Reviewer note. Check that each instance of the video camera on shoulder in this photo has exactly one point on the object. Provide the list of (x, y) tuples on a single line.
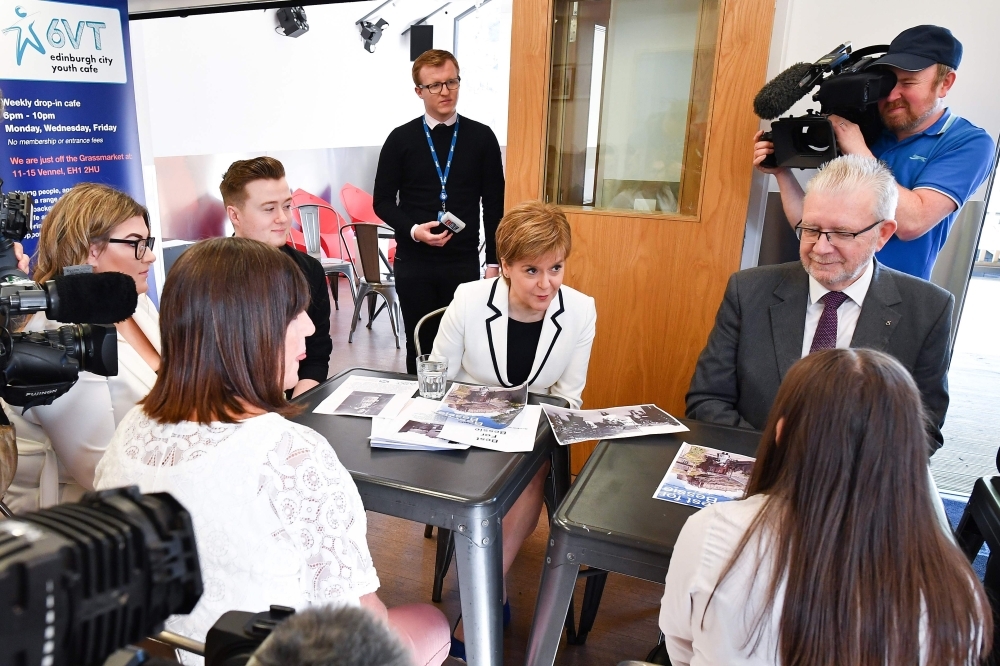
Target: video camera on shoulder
[(848, 86), (38, 367)]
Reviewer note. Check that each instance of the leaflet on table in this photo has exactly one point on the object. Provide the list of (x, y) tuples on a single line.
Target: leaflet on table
[(579, 425), (700, 476), (417, 427), (368, 397), (518, 437), (487, 406)]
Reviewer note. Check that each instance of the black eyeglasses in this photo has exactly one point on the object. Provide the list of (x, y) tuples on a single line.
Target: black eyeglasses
[(811, 235), (140, 245), (435, 88)]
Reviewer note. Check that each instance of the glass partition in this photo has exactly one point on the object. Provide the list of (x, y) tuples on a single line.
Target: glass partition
[(630, 88)]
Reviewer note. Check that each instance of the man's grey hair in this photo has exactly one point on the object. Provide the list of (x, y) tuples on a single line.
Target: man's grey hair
[(326, 636), (850, 173)]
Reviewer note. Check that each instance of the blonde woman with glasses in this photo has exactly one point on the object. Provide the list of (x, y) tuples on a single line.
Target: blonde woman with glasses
[(59, 445)]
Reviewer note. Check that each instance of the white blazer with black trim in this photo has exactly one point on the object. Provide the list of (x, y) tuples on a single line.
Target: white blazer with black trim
[(473, 337)]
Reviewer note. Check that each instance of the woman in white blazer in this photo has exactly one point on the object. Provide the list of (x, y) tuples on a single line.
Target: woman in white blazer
[(524, 326), (59, 445)]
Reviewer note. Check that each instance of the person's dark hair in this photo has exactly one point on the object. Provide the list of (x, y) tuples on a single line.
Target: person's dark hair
[(224, 343), (849, 520), (325, 636), (243, 172)]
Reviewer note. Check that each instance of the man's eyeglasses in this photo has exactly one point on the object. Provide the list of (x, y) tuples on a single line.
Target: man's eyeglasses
[(435, 88), (140, 245), (836, 238)]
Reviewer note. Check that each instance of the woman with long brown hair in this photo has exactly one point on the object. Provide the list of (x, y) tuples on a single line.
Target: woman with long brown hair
[(277, 517), (835, 556)]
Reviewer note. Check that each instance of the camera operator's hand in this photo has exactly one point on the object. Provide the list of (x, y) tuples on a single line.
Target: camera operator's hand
[(23, 260), (761, 149), (423, 233), (849, 137)]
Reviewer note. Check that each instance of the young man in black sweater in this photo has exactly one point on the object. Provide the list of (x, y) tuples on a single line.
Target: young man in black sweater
[(259, 204), (463, 170)]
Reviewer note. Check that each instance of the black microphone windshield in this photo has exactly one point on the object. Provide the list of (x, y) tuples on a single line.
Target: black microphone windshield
[(780, 93), (91, 298)]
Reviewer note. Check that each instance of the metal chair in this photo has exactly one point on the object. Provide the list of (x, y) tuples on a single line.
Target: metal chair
[(373, 283), (981, 523), (317, 239), (445, 544), (416, 329)]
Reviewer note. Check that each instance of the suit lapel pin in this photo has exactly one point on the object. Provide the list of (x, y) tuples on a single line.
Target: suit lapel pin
[(888, 323)]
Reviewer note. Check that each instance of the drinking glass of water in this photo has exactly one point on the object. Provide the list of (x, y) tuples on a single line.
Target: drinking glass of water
[(432, 374)]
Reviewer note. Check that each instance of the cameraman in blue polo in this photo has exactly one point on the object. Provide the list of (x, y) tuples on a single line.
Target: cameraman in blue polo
[(938, 158)]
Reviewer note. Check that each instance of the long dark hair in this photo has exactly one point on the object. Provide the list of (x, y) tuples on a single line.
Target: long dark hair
[(851, 526), (226, 307)]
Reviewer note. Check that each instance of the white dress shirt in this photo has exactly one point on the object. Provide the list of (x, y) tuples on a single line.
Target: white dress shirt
[(847, 313), (431, 124)]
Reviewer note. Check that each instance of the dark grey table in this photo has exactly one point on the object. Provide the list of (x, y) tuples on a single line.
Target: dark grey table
[(609, 520), (464, 491)]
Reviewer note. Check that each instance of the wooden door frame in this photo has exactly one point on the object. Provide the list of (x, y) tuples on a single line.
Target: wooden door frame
[(673, 262)]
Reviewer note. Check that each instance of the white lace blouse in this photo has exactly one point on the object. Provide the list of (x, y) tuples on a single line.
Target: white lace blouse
[(277, 517)]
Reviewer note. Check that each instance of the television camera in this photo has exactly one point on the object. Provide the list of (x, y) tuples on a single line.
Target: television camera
[(38, 367), (849, 86)]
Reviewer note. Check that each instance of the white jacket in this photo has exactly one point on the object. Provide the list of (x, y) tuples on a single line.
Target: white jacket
[(59, 445), (473, 337)]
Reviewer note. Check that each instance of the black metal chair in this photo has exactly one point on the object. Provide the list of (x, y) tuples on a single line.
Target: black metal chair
[(980, 524)]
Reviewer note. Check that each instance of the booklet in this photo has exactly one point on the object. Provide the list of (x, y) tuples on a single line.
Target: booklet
[(700, 476), (486, 406), (518, 437), (417, 428), (368, 397), (579, 425)]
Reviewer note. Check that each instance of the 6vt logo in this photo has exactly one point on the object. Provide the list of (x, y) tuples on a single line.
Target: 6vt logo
[(57, 35)]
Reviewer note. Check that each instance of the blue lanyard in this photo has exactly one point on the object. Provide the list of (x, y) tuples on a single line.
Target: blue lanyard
[(437, 165)]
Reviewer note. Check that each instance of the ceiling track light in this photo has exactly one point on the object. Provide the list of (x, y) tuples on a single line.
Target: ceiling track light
[(371, 32), (292, 22)]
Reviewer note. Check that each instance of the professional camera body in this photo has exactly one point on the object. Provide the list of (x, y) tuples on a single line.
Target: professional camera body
[(848, 86), (36, 368), (78, 581)]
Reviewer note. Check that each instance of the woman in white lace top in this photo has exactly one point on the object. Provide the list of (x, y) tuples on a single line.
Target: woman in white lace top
[(278, 519)]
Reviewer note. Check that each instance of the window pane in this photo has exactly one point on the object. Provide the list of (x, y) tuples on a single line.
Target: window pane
[(629, 97)]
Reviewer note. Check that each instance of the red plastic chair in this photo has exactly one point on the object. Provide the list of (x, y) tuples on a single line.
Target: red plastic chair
[(361, 209)]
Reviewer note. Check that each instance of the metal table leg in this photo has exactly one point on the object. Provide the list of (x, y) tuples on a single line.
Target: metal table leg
[(479, 556), (555, 594)]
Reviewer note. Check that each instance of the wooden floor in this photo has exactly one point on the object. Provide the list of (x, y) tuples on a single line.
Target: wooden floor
[(626, 625)]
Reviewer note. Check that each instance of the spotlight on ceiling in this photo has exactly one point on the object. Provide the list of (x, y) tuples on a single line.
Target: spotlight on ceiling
[(292, 21), (371, 33)]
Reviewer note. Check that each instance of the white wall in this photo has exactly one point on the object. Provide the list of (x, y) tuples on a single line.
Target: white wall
[(228, 83), (804, 30)]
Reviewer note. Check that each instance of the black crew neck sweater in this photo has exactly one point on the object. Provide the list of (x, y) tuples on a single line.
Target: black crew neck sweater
[(406, 169)]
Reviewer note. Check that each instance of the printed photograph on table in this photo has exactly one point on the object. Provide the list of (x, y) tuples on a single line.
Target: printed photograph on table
[(700, 476), (368, 397), (484, 405), (580, 425), (363, 403), (418, 427)]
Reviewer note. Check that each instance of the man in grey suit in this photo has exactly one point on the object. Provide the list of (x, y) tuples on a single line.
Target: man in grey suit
[(837, 296)]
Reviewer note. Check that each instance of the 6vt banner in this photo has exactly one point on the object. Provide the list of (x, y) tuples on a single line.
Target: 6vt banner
[(69, 104)]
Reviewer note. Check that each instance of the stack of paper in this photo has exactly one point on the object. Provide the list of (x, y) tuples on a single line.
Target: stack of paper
[(368, 397), (416, 428)]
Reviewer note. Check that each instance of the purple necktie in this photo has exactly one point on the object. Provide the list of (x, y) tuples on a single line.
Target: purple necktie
[(826, 332)]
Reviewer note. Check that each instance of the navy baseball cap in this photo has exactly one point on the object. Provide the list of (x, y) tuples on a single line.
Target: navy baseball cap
[(920, 47)]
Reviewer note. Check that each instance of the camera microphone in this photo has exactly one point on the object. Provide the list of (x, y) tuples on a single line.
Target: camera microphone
[(780, 93), (92, 298), (81, 298)]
